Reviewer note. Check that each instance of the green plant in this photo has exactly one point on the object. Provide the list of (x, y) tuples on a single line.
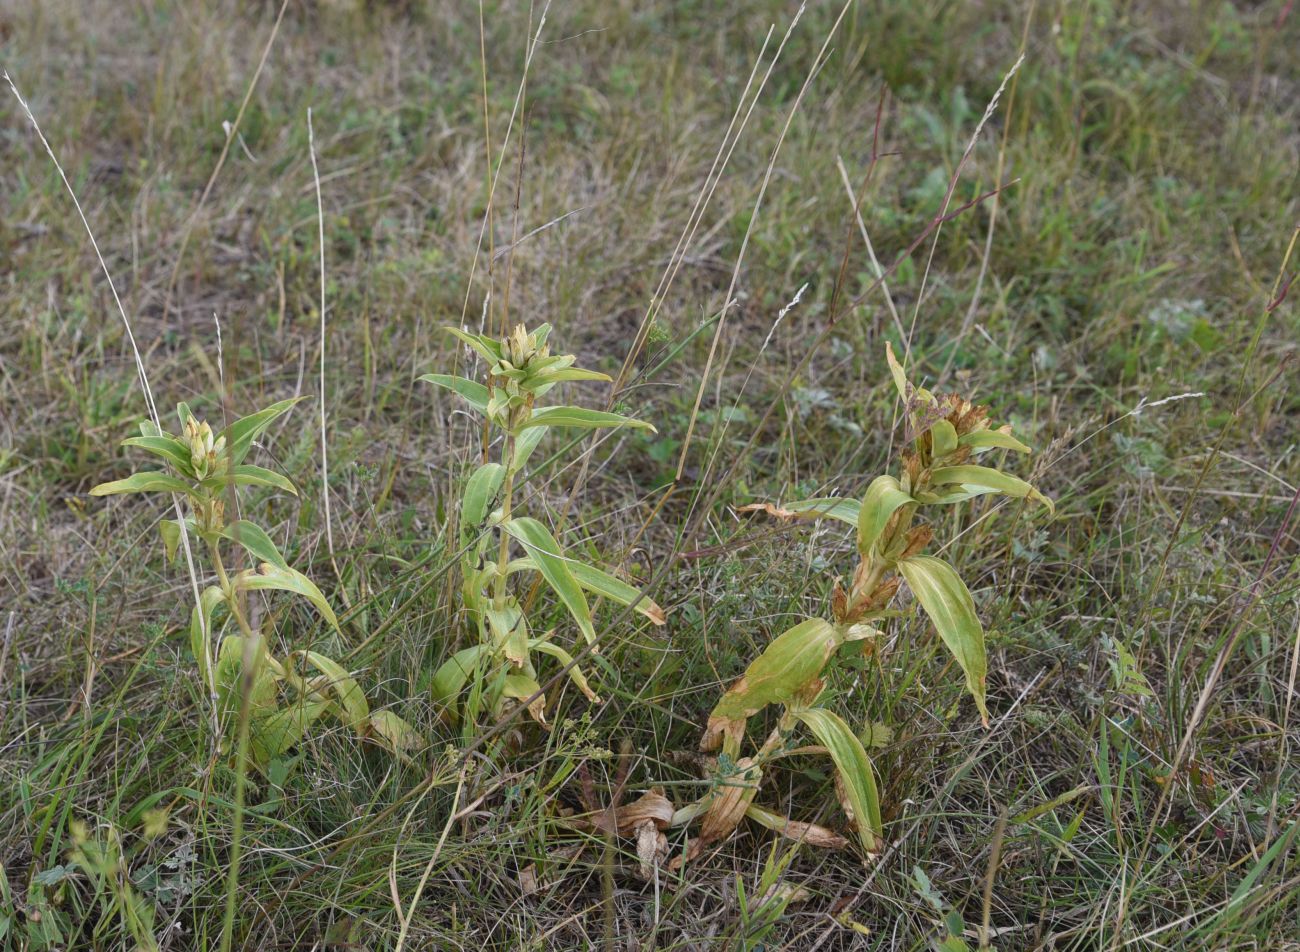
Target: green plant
[(100, 855), (946, 434), (499, 667), (283, 696)]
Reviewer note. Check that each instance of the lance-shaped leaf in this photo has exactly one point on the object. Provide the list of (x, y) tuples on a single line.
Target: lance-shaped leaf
[(857, 780), (229, 677), (255, 540), (521, 687), (478, 499), (394, 732), (241, 434), (896, 371), (449, 680), (883, 498), (943, 439), (730, 800), (823, 507), (995, 480), (250, 475), (151, 482), (781, 674), (347, 694), (554, 566), (616, 590), (809, 833), (273, 733), (509, 631), (950, 495), (201, 628), (575, 673), (947, 601), (170, 530), (992, 439), (574, 373), (487, 348), (268, 576), (472, 392), (170, 448), (582, 418), (525, 443)]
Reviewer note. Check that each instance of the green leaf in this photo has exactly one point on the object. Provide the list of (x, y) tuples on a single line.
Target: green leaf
[(823, 507), (950, 495), (574, 373), (616, 590), (252, 537), (348, 694), (170, 530), (992, 439), (150, 482), (478, 498), (857, 779), (575, 673), (229, 678), (990, 478), (249, 475), (201, 628), (449, 680), (174, 450), (582, 418), (554, 566), (509, 631), (896, 371), (272, 734), (485, 347), (883, 498), (522, 687), (269, 576), (394, 733), (786, 668), (473, 393), (241, 434), (943, 437), (525, 443), (947, 601)]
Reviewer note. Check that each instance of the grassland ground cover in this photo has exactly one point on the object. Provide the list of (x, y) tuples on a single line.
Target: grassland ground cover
[(1107, 264)]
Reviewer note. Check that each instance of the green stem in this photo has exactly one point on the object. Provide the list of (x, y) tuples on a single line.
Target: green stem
[(507, 497), (251, 660)]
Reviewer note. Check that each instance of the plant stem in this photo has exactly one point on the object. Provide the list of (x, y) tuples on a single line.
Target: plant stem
[(507, 495)]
